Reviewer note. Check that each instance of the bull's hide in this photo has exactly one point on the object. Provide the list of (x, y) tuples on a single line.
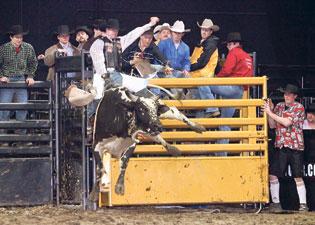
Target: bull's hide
[(115, 116)]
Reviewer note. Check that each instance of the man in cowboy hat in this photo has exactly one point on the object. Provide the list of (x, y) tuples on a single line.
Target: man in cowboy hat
[(82, 35), (162, 32), (142, 50), (108, 49), (63, 47), (98, 23), (238, 64), (204, 60), (106, 52), (287, 119), (176, 51), (18, 62)]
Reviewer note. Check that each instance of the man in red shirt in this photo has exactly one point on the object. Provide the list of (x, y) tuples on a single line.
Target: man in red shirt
[(287, 118), (238, 64)]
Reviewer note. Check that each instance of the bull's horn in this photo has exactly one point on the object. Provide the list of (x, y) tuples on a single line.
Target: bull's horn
[(163, 89), (132, 97)]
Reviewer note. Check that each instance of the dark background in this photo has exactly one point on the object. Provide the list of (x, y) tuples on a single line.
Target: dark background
[(280, 31)]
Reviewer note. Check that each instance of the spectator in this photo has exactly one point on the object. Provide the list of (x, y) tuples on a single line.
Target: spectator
[(18, 62), (204, 60), (287, 119), (99, 26), (162, 32), (309, 122), (238, 64), (176, 51), (142, 49), (82, 36), (63, 47)]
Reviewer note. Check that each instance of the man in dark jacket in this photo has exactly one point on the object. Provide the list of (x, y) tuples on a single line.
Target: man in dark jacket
[(143, 49), (204, 61)]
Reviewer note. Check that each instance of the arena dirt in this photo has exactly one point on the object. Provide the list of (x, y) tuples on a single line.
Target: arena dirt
[(74, 215)]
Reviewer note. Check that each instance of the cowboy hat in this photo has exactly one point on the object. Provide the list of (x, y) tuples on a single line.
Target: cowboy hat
[(17, 29), (233, 37), (164, 26), (102, 26), (208, 24), (310, 108), (78, 97), (113, 24), (179, 27), (83, 28), (97, 22), (63, 30), (290, 88)]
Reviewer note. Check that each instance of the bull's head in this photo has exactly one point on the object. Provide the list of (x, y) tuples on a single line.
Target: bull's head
[(146, 110), (147, 115)]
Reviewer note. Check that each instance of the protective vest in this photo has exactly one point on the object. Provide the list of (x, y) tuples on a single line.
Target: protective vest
[(112, 53)]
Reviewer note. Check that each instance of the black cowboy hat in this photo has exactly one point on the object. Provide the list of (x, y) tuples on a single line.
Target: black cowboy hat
[(290, 88), (233, 37), (150, 32), (310, 108), (97, 22), (63, 29), (113, 23), (102, 26), (83, 28), (17, 29)]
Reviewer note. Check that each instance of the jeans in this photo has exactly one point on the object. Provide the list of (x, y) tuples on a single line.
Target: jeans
[(91, 108), (14, 95), (203, 92), (226, 92)]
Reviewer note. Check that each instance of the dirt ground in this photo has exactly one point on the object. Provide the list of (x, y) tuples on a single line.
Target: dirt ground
[(74, 215)]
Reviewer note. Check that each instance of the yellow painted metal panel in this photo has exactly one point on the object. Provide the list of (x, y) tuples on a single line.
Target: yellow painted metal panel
[(193, 136), (194, 82), (195, 179), (201, 104), (192, 180), (200, 148), (214, 122)]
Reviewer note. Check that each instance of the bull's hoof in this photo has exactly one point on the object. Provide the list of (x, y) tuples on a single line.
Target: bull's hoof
[(198, 128), (120, 189), (173, 150)]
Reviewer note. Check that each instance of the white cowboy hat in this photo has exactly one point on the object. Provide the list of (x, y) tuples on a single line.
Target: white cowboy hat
[(159, 28), (179, 27), (207, 23)]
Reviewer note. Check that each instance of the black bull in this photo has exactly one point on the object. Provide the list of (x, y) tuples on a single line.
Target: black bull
[(120, 116)]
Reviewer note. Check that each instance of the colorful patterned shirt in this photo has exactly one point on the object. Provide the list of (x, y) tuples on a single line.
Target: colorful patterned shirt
[(20, 61), (292, 136)]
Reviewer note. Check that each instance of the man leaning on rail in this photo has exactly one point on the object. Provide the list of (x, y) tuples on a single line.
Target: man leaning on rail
[(18, 62), (238, 64)]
